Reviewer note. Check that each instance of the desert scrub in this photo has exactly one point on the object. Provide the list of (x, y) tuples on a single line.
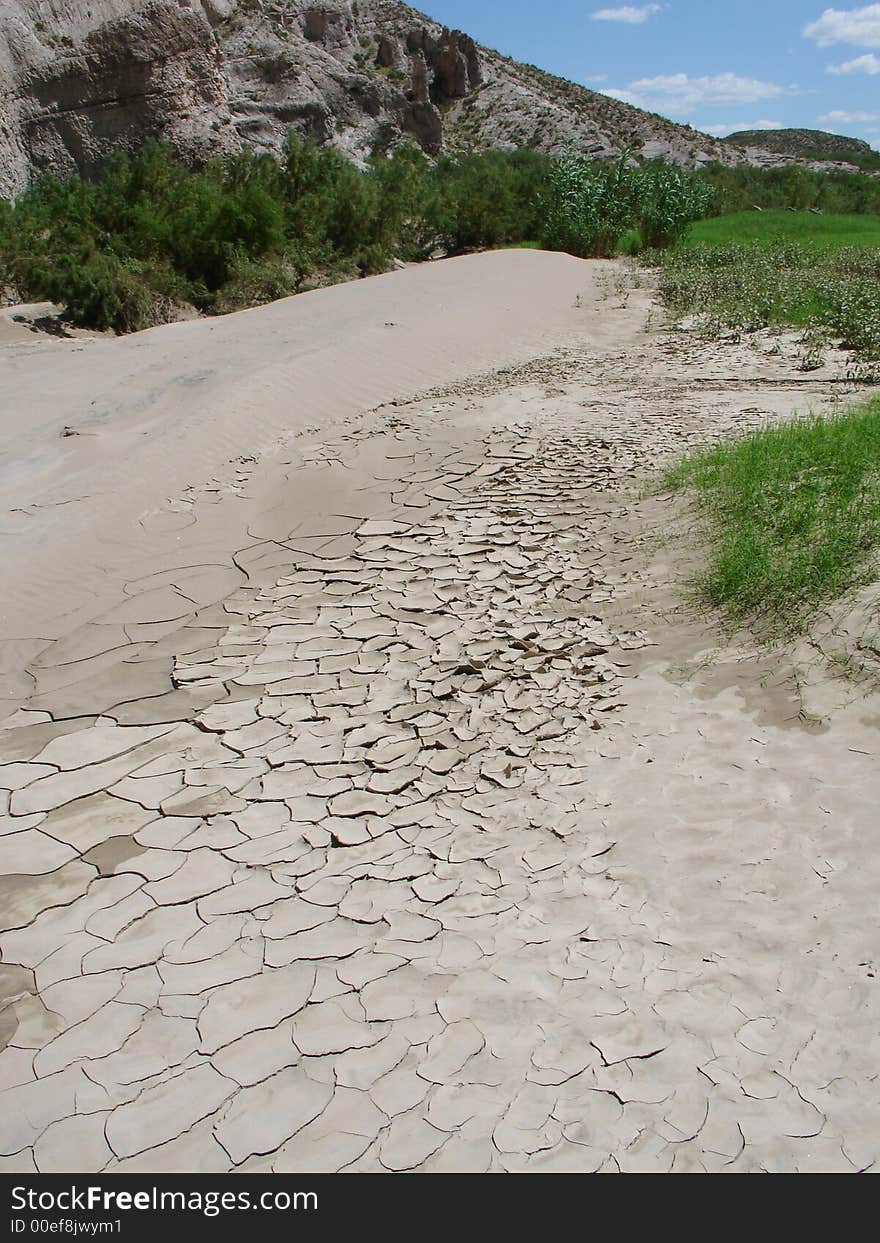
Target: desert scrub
[(745, 287), (791, 515)]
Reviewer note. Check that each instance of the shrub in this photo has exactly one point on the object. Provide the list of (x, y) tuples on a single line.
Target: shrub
[(587, 207), (488, 199), (253, 282), (667, 202), (8, 280), (100, 291), (407, 209)]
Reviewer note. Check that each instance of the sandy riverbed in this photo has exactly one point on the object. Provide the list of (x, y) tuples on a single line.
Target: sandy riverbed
[(371, 800)]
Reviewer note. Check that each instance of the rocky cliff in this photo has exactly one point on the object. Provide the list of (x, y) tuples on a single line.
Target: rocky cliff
[(79, 78)]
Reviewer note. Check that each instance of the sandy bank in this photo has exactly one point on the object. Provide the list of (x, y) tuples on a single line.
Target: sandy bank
[(157, 415)]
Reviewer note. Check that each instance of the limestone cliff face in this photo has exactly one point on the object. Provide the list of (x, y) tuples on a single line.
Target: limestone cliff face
[(79, 78)]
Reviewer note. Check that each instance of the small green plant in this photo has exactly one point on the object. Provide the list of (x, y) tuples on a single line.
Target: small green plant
[(792, 515)]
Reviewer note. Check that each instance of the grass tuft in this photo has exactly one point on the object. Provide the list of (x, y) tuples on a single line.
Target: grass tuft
[(792, 515)]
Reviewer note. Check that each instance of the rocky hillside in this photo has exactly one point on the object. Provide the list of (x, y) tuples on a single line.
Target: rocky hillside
[(79, 78), (813, 147), (801, 143)]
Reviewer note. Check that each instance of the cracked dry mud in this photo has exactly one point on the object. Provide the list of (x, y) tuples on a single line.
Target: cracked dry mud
[(430, 839)]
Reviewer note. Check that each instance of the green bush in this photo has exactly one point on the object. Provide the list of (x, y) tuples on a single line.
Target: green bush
[(592, 209), (668, 201), (407, 205), (253, 282), (101, 291), (8, 281), (587, 207), (488, 199)]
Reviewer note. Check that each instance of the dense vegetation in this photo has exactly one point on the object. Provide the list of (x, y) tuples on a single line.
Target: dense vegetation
[(587, 207), (149, 237), (793, 516), (742, 187)]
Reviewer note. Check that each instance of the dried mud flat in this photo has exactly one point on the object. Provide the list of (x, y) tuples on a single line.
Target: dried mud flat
[(374, 803)]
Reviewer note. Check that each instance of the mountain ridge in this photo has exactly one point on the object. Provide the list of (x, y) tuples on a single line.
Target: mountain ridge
[(799, 141), (80, 79), (84, 77)]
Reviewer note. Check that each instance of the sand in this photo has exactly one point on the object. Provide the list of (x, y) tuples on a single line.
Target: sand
[(372, 801)]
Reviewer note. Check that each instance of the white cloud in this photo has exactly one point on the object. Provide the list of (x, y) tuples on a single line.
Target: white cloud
[(680, 94), (596, 77), (869, 63), (860, 27), (849, 118), (629, 14), (721, 131)]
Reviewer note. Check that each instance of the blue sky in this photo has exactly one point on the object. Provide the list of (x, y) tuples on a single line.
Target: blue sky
[(718, 66)]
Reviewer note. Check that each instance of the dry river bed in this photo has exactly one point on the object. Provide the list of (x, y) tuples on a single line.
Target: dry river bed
[(424, 828)]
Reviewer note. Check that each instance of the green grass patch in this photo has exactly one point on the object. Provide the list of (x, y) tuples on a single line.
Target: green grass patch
[(770, 228), (792, 515)]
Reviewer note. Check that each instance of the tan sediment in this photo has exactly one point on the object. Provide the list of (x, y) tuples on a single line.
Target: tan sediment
[(399, 814)]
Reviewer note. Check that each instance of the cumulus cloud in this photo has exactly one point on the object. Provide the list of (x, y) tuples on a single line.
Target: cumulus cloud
[(629, 14), (680, 94), (869, 63), (860, 27), (721, 131)]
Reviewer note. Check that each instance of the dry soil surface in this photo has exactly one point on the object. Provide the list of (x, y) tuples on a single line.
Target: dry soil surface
[(370, 799)]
